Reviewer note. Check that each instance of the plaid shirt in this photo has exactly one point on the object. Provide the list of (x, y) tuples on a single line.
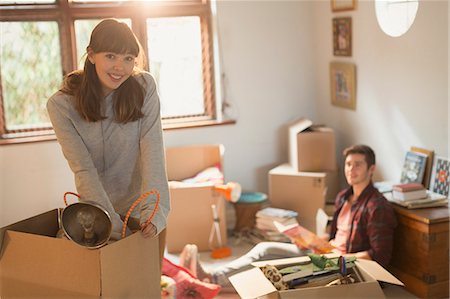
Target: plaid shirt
[(372, 224)]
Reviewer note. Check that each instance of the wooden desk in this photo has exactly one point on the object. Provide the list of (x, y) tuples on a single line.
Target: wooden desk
[(421, 251)]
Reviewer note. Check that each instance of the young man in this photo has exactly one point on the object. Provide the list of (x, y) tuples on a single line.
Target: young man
[(362, 226), (364, 221)]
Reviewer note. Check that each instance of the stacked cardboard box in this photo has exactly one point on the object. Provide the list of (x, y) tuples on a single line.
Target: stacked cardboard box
[(311, 178), (190, 219)]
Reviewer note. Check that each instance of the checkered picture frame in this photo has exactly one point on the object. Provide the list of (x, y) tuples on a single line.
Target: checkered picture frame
[(440, 180)]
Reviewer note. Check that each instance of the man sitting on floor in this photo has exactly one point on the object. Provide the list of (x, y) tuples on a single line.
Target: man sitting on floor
[(362, 226)]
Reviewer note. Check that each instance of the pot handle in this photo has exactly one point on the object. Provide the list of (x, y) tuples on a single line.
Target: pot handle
[(70, 193), (125, 222)]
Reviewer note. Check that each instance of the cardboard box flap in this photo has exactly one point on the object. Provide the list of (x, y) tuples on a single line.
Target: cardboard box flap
[(287, 169), (299, 125), (252, 284), (187, 161), (45, 224), (378, 272), (321, 128)]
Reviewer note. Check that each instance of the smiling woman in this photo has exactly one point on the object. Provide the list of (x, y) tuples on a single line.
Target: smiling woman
[(176, 36)]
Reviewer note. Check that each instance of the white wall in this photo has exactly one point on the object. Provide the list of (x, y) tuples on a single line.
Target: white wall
[(268, 61), (402, 84)]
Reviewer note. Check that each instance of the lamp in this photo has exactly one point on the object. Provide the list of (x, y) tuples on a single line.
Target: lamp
[(86, 224), (231, 191)]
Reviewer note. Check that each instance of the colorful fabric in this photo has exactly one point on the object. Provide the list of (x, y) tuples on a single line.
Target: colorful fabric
[(186, 284), (372, 224)]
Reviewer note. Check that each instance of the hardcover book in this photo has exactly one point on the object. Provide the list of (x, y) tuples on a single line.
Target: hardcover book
[(413, 168), (410, 195), (440, 178), (408, 187), (429, 167)]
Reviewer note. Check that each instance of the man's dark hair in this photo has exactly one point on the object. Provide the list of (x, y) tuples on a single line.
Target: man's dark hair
[(363, 150)]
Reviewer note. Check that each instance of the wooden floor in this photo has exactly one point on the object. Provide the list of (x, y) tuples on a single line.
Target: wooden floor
[(241, 247)]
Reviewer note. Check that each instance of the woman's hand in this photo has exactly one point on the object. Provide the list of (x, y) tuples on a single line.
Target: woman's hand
[(149, 230)]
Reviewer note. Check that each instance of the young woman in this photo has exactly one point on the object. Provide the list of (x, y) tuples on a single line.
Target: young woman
[(107, 120)]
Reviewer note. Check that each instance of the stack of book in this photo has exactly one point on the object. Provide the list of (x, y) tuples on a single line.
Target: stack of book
[(265, 223), (415, 196), (409, 191)]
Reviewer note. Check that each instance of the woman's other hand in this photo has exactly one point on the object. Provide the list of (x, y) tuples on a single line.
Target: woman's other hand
[(148, 230)]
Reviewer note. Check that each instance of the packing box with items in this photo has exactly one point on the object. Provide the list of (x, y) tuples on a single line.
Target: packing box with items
[(254, 283), (302, 192), (191, 218), (311, 147), (36, 264)]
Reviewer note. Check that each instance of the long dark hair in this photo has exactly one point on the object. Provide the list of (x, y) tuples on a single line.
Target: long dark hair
[(108, 36)]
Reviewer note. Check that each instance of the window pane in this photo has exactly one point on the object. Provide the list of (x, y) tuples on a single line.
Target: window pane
[(31, 71), (83, 29), (26, 1), (175, 55)]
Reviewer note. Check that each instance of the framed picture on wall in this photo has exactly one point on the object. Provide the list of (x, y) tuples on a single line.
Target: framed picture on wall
[(343, 85), (342, 5), (342, 36)]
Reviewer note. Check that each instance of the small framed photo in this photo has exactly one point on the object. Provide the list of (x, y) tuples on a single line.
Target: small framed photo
[(342, 36), (440, 180), (343, 5), (343, 85)]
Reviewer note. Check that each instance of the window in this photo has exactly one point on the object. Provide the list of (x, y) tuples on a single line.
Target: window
[(43, 39)]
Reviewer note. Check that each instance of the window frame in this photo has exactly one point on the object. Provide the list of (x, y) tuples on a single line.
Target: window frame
[(65, 13)]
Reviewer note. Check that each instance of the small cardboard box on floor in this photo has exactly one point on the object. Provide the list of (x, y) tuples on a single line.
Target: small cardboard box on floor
[(35, 264), (253, 284), (311, 147), (191, 219), (303, 192)]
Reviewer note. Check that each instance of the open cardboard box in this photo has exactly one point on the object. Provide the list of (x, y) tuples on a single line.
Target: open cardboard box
[(190, 219), (253, 284), (311, 147), (35, 264)]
